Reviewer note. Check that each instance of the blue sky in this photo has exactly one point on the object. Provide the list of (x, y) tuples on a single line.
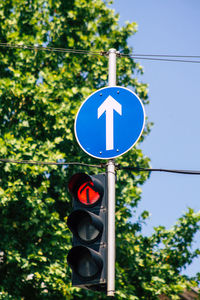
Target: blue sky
[(169, 27)]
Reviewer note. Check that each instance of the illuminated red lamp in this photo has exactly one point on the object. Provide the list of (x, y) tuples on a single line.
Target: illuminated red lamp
[(86, 193), (86, 189)]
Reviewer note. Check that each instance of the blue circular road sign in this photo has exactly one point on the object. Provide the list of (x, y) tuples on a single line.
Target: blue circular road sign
[(109, 122)]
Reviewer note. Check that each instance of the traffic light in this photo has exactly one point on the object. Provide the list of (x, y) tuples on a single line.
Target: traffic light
[(88, 223)]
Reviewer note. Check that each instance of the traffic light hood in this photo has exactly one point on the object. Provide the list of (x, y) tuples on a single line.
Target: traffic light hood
[(76, 180)]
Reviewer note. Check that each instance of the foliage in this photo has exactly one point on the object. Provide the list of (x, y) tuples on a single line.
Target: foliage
[(40, 93)]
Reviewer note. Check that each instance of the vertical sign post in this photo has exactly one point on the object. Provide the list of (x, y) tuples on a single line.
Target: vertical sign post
[(111, 194)]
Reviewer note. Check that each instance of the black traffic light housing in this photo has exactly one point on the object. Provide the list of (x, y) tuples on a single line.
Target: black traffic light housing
[(88, 223)]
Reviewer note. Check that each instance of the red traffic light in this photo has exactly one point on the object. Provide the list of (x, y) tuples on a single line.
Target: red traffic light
[(88, 224), (86, 189), (87, 194)]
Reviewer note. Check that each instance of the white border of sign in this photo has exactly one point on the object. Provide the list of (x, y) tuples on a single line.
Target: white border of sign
[(83, 104)]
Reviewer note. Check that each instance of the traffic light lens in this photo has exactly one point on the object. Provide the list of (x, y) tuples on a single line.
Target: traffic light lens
[(87, 266), (87, 193), (86, 262), (86, 230), (85, 225)]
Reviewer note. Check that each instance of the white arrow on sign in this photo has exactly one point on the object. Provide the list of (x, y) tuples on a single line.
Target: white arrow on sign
[(108, 106)]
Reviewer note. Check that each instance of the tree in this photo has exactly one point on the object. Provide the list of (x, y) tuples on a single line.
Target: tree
[(40, 93)]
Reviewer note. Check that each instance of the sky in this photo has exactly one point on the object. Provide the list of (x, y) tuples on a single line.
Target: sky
[(169, 27)]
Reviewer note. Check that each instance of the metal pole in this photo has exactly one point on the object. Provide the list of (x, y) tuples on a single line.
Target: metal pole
[(111, 194)]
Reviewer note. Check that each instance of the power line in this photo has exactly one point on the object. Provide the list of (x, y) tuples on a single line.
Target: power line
[(161, 55), (51, 49), (138, 169), (153, 57), (103, 165), (32, 162)]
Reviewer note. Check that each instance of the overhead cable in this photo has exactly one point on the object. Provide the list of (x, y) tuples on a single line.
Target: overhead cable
[(138, 169), (103, 165), (32, 162), (161, 55), (152, 57), (51, 49)]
